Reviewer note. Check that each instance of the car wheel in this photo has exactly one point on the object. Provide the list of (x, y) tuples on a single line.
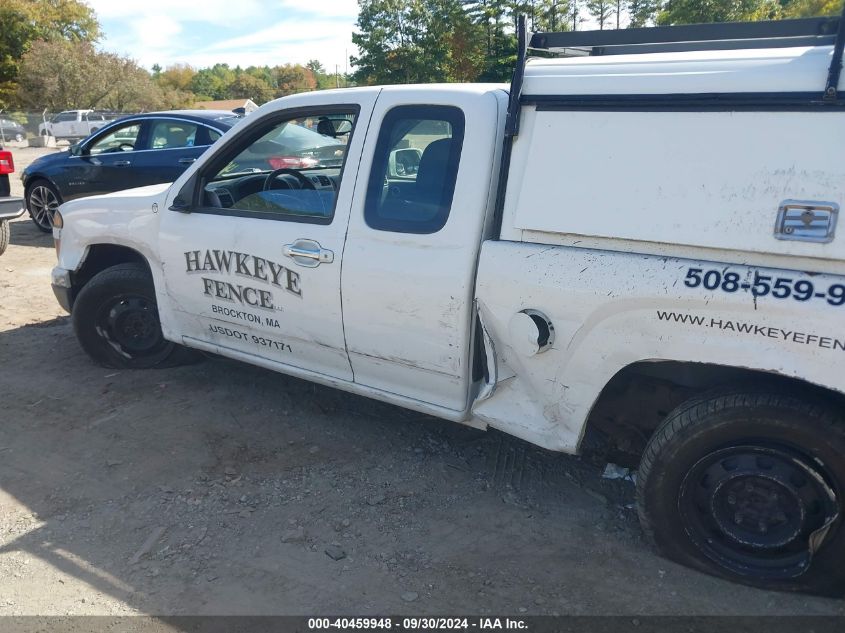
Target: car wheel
[(20, 138), (749, 486), (42, 201), (5, 234), (116, 321)]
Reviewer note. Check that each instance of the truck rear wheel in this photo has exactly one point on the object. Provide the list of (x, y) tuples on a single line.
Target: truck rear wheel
[(5, 236), (749, 486), (115, 318)]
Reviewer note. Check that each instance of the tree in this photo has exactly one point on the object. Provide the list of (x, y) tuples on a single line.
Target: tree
[(213, 82), (403, 41), (601, 10), (810, 8), (466, 59), (316, 67), (62, 75), (293, 78), (554, 15), (247, 86), (23, 22), (642, 12), (130, 87), (701, 11), (175, 77)]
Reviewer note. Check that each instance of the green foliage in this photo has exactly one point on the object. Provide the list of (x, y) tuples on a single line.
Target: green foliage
[(71, 74), (23, 22), (47, 56), (701, 11), (175, 77), (642, 12), (602, 11), (809, 8)]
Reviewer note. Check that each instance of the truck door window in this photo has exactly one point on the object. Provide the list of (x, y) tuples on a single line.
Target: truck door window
[(290, 170), (415, 169)]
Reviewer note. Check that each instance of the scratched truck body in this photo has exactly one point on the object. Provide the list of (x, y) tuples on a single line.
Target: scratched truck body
[(633, 250)]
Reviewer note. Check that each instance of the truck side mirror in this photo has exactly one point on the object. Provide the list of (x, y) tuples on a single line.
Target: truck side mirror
[(404, 163)]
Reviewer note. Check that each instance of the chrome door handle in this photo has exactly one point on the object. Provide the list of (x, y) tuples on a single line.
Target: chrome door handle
[(308, 253), (186, 161), (122, 163)]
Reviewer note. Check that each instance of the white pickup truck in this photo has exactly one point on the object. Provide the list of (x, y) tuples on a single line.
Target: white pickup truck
[(75, 124), (634, 247)]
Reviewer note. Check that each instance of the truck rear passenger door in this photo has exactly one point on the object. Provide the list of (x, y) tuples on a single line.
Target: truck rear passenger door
[(414, 235)]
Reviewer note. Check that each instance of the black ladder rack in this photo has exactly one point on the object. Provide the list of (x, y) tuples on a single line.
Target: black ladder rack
[(693, 37)]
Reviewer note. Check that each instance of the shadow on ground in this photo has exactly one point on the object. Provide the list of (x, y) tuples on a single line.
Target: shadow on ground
[(25, 233), (220, 488)]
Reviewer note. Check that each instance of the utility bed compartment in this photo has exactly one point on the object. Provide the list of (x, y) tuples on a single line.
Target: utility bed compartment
[(670, 172)]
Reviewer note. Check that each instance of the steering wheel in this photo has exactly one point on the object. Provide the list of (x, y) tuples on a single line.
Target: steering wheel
[(303, 181)]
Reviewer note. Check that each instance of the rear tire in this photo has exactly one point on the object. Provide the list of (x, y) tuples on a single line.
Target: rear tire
[(5, 235), (738, 483), (116, 321)]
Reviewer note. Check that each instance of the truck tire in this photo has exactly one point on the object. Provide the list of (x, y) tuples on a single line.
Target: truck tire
[(5, 235), (738, 484), (115, 317), (42, 200)]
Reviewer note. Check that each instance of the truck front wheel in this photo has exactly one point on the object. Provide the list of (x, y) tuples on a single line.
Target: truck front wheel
[(115, 317), (749, 486)]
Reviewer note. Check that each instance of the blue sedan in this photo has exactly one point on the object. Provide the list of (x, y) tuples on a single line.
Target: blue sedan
[(135, 151)]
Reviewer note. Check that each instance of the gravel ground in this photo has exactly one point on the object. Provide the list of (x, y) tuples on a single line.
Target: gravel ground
[(221, 488)]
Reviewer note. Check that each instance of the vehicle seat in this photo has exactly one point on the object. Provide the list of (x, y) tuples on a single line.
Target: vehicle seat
[(424, 203), (432, 172), (179, 137)]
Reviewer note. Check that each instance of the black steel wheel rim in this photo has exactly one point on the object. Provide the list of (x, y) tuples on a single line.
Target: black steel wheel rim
[(43, 205), (754, 510), (130, 325)]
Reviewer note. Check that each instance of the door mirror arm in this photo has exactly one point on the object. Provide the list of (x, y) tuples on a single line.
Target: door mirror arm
[(182, 201), (179, 205)]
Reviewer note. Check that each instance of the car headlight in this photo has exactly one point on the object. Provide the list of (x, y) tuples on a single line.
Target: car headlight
[(58, 220)]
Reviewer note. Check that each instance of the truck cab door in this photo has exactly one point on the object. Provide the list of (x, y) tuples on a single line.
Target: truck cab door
[(251, 247), (414, 238)]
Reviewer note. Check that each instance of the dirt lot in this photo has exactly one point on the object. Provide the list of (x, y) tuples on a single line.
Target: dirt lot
[(219, 489)]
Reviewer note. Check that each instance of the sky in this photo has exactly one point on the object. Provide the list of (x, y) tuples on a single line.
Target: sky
[(236, 32)]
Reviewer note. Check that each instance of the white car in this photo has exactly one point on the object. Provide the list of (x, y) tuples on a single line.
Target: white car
[(637, 246)]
